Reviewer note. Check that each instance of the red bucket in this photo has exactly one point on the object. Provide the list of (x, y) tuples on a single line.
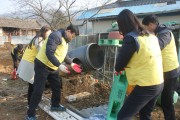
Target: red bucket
[(14, 75)]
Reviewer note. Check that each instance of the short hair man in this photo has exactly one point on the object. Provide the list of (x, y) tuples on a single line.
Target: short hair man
[(47, 62), (170, 63)]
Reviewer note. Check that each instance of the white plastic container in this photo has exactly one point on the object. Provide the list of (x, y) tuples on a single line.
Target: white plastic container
[(71, 98)]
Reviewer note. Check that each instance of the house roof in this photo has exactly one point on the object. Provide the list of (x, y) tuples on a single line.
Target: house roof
[(139, 7), (18, 23), (139, 2)]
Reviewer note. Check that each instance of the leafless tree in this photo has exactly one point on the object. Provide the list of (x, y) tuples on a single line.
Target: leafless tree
[(43, 11), (56, 14)]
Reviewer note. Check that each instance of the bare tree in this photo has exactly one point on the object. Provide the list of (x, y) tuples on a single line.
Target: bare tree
[(43, 11), (68, 5), (56, 15)]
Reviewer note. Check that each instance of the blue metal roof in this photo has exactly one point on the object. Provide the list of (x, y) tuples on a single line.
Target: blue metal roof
[(138, 10)]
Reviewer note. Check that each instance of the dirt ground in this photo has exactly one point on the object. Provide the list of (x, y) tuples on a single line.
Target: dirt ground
[(13, 93)]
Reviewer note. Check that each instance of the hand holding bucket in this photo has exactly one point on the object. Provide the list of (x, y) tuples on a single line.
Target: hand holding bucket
[(76, 67)]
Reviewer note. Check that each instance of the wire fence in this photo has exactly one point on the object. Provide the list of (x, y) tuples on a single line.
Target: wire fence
[(15, 39), (105, 74), (82, 40), (21, 39)]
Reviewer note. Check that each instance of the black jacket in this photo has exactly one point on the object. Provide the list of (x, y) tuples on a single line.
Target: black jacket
[(164, 38), (16, 54), (55, 39), (125, 53)]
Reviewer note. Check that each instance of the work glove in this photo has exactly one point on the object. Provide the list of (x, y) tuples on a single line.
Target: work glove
[(118, 73), (76, 67), (64, 69)]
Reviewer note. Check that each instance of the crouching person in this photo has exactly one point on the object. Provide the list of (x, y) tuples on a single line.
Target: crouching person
[(16, 54)]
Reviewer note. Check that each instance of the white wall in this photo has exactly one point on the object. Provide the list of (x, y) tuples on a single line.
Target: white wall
[(1, 32), (164, 19), (82, 29), (101, 26), (104, 25), (21, 39)]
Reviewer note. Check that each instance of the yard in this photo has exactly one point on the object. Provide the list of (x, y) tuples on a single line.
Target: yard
[(13, 102)]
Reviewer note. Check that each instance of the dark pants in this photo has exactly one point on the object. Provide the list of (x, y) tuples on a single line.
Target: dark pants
[(178, 88), (142, 100), (43, 73), (30, 90), (15, 61), (167, 98)]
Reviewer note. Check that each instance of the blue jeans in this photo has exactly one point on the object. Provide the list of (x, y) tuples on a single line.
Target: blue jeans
[(142, 100)]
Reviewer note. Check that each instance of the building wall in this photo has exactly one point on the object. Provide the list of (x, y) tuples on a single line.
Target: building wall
[(85, 29), (164, 19), (27, 32), (1, 32), (34, 32), (103, 25)]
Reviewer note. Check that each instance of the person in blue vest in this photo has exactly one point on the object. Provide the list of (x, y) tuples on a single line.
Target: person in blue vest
[(47, 65), (170, 63), (140, 56), (16, 54)]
